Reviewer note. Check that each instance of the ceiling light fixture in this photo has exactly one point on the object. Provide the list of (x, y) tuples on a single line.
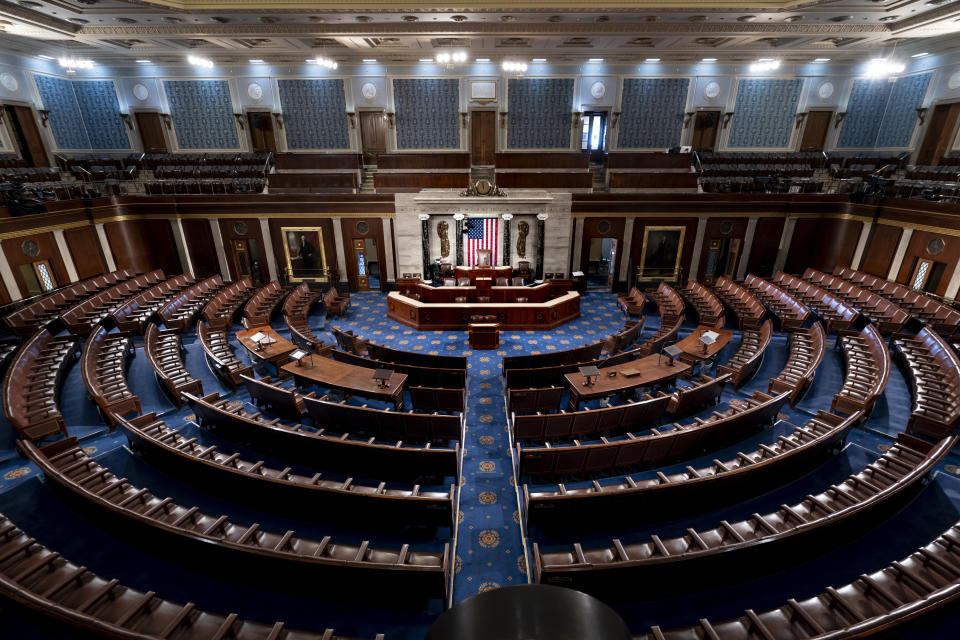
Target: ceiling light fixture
[(765, 64), (920, 55), (144, 62), (818, 60), (595, 60), (72, 64), (45, 57), (539, 60), (200, 62), (482, 60), (447, 57), (371, 60), (882, 67), (651, 60), (326, 62), (256, 61), (426, 59), (709, 60), (513, 66)]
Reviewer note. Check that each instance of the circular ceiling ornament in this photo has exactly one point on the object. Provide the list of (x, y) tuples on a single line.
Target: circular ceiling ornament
[(712, 90), (936, 246), (598, 90), (363, 227), (240, 228), (954, 81), (9, 82), (368, 91), (255, 91), (508, 18), (825, 90), (30, 248), (603, 226), (726, 227), (140, 92)]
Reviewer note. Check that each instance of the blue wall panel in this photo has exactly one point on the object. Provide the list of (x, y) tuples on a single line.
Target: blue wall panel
[(314, 114), (65, 120), (865, 109), (652, 111), (202, 113), (900, 119), (101, 114), (764, 113), (540, 111), (427, 113)]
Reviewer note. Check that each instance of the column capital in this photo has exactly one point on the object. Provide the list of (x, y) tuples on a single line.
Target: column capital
[(423, 217), (456, 216), (542, 216), (507, 216)]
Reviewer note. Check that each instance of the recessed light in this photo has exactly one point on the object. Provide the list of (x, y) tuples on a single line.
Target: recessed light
[(200, 62), (539, 60), (595, 60), (311, 61), (369, 60), (652, 60), (45, 57), (426, 59), (709, 60), (482, 60), (919, 55), (144, 62), (821, 59), (255, 61)]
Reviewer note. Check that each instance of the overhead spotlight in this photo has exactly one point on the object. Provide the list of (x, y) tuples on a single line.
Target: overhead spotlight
[(514, 66), (200, 62), (447, 57), (369, 60), (482, 60), (539, 60), (595, 60), (765, 64), (326, 62), (652, 60), (144, 61), (44, 56), (72, 64), (255, 61), (709, 60), (426, 59), (819, 60), (459, 56), (920, 55), (882, 67), (443, 58)]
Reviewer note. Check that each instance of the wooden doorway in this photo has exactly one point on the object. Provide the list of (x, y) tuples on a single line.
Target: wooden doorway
[(483, 137), (361, 260), (815, 131), (706, 124), (260, 124), (150, 126), (940, 133), (373, 135), (26, 135)]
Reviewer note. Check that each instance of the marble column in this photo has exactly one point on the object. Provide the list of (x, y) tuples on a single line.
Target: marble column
[(180, 240), (218, 245), (861, 245), (425, 243), (506, 258), (65, 255), (786, 237), (954, 285), (105, 247), (458, 217), (899, 254), (387, 256), (697, 249), (341, 252), (268, 249), (625, 252), (542, 241), (577, 245), (747, 246), (6, 273)]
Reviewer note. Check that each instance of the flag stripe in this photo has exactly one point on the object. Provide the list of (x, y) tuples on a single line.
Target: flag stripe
[(487, 232)]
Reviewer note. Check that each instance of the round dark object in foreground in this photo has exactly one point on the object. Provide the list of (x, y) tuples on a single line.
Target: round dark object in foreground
[(530, 612)]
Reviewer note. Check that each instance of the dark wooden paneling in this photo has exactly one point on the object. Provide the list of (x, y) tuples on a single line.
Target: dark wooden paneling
[(229, 232), (317, 161), (143, 245), (13, 250), (200, 246), (439, 160), (483, 137), (4, 295), (822, 244), (409, 182), (714, 231), (373, 135), (25, 128), (628, 160), (350, 233), (150, 127), (312, 182), (653, 180), (815, 130), (537, 160), (917, 248), (766, 245), (85, 252), (551, 180), (881, 246)]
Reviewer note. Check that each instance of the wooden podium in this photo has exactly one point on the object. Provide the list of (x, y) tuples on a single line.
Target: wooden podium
[(484, 335)]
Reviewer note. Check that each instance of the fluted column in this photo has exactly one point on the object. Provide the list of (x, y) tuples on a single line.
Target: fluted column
[(507, 217), (425, 242), (459, 219), (541, 242)]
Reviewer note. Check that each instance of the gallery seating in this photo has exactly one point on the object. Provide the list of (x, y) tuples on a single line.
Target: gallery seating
[(887, 316), (164, 353), (663, 564), (220, 356), (32, 382), (836, 314), (585, 353), (334, 303), (750, 313), (705, 303), (669, 303), (791, 313), (259, 308), (416, 358), (81, 318), (222, 308), (807, 347), (632, 303), (934, 373), (662, 444), (341, 451), (535, 400), (697, 395), (65, 464), (104, 363), (182, 310), (745, 362), (691, 490), (624, 338), (57, 589), (134, 314), (868, 369), (401, 425), (276, 398), (437, 399), (296, 309), (589, 423), (416, 376)]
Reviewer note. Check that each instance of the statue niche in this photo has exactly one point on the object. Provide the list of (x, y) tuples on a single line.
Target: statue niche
[(442, 228), (523, 229)]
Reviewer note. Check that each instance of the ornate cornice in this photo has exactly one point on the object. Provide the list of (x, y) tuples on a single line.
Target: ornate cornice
[(36, 18), (555, 6)]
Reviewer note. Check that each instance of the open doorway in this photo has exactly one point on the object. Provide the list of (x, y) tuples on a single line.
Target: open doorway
[(594, 134), (601, 263), (373, 262), (26, 136), (722, 255)]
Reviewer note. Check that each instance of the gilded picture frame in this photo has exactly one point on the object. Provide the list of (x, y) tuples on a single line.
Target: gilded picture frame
[(661, 253), (304, 265)]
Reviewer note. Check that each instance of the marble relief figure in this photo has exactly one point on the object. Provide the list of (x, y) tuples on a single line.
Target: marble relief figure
[(442, 228)]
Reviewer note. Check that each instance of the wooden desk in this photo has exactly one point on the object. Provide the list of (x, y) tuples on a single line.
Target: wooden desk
[(346, 377), (274, 353), (483, 272), (693, 349), (422, 315), (648, 373), (485, 335)]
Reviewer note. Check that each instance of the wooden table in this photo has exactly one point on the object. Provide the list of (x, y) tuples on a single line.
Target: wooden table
[(349, 378), (644, 372), (693, 350), (274, 353), (483, 335)]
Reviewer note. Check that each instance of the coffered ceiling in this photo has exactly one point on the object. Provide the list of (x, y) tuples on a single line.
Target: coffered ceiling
[(620, 31)]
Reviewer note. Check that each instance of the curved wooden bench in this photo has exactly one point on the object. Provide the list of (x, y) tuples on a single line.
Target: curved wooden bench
[(553, 358), (706, 391), (337, 451), (632, 303), (624, 338), (220, 357), (419, 376), (669, 303), (104, 362), (750, 313), (417, 427), (31, 383), (134, 314), (415, 358), (34, 576), (276, 398), (935, 382), (791, 312), (745, 362), (666, 333), (887, 316), (222, 308), (81, 318), (868, 369), (708, 307), (260, 307), (666, 443), (836, 314), (296, 308), (164, 354), (882, 487), (807, 347), (180, 312), (82, 480), (590, 423), (693, 490)]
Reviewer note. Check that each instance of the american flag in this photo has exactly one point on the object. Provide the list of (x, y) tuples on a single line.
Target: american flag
[(481, 234)]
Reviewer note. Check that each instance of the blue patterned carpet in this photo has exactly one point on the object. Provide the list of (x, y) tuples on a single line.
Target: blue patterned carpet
[(489, 546)]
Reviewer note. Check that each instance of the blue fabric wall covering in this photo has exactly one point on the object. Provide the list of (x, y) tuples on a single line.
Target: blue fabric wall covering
[(540, 111), (101, 114), (427, 113), (202, 113), (882, 113), (314, 114), (764, 113), (65, 120), (652, 112)]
